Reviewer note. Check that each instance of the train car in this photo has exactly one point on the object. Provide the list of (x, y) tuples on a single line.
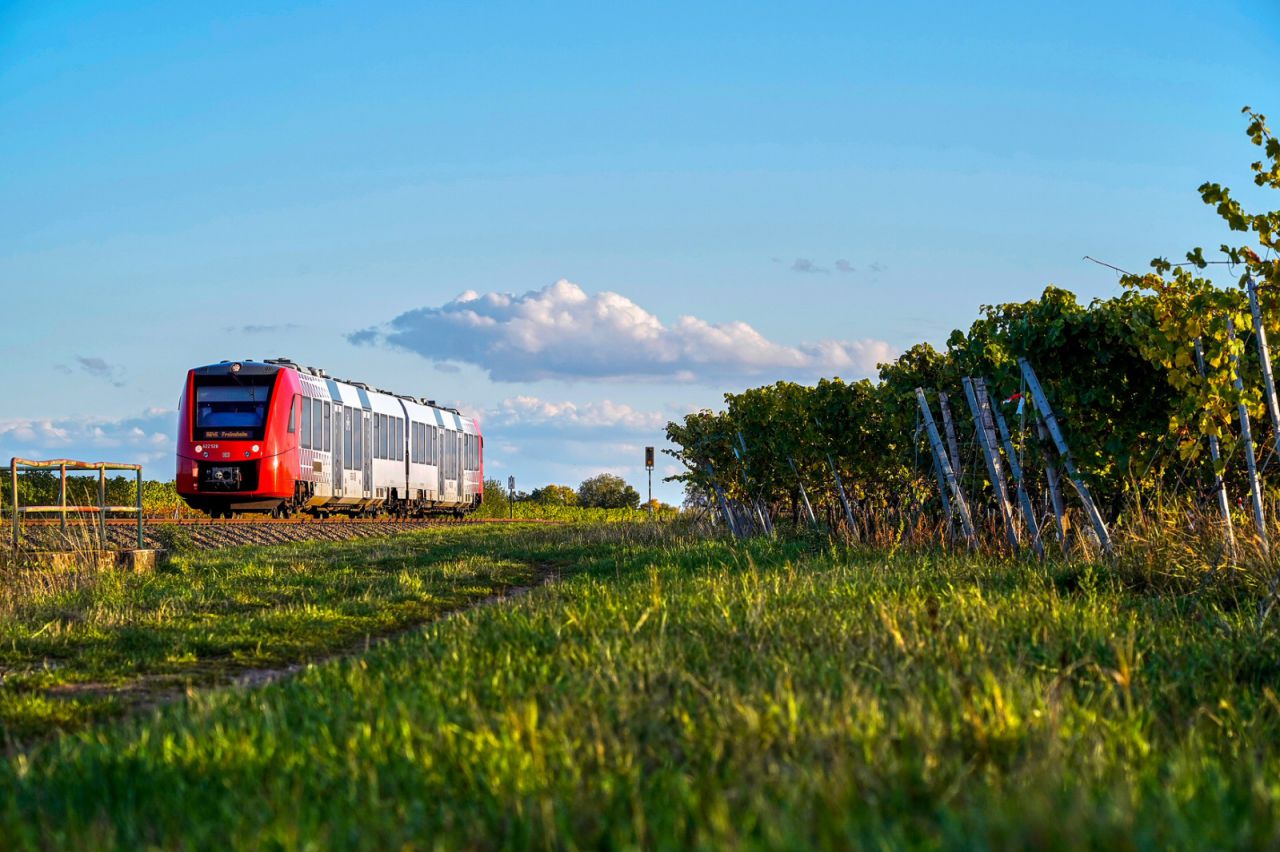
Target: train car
[(275, 437)]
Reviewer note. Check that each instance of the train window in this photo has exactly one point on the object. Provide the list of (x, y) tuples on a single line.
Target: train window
[(399, 439), (306, 423), (293, 425), (377, 435), (388, 437), (328, 429), (317, 424)]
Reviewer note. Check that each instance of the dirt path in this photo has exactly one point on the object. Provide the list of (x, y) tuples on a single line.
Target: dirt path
[(150, 691), (251, 678)]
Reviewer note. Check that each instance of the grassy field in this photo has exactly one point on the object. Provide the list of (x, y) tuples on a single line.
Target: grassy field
[(78, 647), (671, 692)]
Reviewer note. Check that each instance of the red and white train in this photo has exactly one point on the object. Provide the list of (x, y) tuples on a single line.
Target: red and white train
[(273, 436)]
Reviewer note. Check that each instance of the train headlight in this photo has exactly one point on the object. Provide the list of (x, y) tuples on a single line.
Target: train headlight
[(255, 448), (199, 449), (246, 454)]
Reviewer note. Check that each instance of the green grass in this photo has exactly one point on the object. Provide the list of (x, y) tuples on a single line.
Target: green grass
[(679, 693), (80, 647)]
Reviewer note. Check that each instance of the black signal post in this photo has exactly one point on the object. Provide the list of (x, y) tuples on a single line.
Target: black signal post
[(648, 465)]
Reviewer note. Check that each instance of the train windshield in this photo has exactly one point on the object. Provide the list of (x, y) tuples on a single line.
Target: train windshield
[(231, 409)]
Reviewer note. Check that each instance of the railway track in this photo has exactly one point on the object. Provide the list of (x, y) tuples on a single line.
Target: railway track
[(294, 521), (210, 534)]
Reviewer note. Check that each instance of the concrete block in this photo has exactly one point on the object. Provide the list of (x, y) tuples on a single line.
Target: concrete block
[(139, 561)]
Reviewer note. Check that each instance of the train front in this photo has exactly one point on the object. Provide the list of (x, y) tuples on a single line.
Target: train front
[(236, 444)]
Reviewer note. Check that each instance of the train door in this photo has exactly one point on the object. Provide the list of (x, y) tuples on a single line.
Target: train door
[(440, 457), (461, 465), (368, 455), (350, 450), (339, 460)]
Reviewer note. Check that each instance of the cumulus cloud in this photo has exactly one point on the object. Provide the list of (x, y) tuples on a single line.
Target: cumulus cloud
[(530, 411), (562, 332), (804, 264), (147, 438)]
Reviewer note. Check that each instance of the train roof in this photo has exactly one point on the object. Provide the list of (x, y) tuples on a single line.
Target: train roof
[(269, 366)]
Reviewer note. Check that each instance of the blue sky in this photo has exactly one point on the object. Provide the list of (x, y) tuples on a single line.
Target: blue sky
[(810, 186)]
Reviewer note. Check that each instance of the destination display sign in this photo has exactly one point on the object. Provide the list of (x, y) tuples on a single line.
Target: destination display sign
[(228, 434)]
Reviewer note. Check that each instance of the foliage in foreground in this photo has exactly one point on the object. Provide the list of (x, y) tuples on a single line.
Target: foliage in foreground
[(686, 693)]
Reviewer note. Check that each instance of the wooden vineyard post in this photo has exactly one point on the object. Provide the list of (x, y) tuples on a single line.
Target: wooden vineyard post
[(1053, 482), (1024, 499), (1055, 432), (940, 456), (942, 483), (724, 504), (762, 517), (1246, 438), (981, 409), (804, 495), (844, 498), (1264, 357), (1219, 486), (854, 530), (949, 426)]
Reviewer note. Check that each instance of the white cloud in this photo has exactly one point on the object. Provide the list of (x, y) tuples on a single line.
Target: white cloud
[(145, 439), (530, 411), (562, 332)]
